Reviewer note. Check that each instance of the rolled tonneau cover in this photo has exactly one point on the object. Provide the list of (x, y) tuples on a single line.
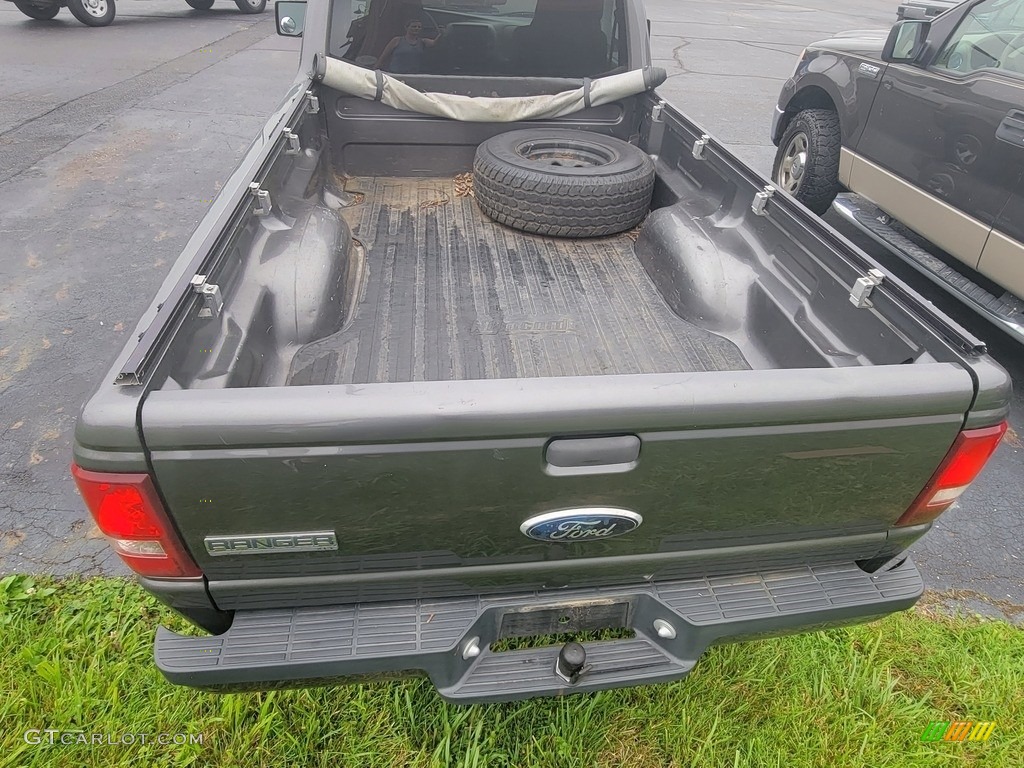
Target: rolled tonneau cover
[(378, 86)]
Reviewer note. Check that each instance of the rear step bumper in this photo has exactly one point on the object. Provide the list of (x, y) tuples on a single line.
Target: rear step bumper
[(265, 649)]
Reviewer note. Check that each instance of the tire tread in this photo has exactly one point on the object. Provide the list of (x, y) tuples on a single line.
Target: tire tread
[(820, 183), (562, 206)]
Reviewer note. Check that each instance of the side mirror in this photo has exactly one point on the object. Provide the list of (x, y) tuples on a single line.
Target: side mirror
[(906, 41), (291, 17)]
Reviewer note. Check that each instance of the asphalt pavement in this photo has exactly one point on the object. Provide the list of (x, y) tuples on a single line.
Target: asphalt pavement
[(113, 143)]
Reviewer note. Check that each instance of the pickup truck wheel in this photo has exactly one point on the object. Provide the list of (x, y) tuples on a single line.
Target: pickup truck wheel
[(564, 183), (807, 163), (92, 13), (200, 5), (40, 11), (251, 6)]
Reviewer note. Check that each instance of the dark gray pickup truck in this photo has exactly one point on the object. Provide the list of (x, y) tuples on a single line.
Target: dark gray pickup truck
[(365, 429)]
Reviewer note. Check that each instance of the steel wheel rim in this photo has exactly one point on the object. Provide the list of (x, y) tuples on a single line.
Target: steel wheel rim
[(565, 154), (794, 163), (254, 3), (97, 8)]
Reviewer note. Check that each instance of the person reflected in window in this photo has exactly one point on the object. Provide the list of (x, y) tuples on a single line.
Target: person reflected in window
[(406, 54)]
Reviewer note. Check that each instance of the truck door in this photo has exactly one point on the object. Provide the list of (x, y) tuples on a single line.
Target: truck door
[(930, 155), (1003, 257)]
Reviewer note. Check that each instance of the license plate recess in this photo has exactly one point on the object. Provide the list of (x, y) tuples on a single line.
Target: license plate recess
[(581, 617)]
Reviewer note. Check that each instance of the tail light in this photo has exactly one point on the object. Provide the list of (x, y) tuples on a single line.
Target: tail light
[(964, 462), (127, 510)]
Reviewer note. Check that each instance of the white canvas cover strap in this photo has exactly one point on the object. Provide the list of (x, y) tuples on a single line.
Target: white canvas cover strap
[(378, 86)]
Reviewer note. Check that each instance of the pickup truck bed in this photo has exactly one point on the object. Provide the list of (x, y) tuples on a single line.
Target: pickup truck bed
[(444, 293)]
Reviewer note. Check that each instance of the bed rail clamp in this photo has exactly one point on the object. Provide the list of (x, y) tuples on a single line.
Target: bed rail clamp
[(212, 297), (264, 205), (312, 103), (700, 145), (760, 204), (860, 295)]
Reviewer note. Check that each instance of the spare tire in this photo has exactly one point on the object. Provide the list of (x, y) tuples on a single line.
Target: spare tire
[(565, 183)]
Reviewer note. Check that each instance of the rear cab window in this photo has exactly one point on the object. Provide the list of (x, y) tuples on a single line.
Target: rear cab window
[(483, 38)]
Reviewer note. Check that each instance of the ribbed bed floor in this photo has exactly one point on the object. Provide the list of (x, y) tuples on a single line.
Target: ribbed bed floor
[(446, 294)]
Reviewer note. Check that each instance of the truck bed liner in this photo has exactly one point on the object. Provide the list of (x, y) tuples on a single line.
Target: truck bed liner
[(446, 294)]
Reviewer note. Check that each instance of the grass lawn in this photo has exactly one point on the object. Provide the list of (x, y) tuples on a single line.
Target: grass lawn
[(76, 655)]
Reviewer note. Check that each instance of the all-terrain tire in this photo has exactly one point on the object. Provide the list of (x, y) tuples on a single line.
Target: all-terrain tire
[(818, 182), (563, 183)]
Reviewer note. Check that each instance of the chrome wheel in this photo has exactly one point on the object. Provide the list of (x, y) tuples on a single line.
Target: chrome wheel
[(794, 164), (251, 6), (93, 13), (97, 8)]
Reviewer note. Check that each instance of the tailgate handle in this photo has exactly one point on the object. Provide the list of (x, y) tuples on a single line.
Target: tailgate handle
[(593, 454)]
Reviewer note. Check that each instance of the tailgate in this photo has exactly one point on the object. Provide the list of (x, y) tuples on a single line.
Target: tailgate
[(306, 495)]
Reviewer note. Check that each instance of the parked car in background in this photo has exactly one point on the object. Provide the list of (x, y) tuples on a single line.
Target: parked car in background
[(100, 13), (924, 124), (924, 9)]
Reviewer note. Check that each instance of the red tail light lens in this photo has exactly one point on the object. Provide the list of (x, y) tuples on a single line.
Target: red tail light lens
[(964, 462), (128, 511)]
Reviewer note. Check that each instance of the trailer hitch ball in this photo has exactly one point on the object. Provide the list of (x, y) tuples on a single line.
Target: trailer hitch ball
[(572, 662)]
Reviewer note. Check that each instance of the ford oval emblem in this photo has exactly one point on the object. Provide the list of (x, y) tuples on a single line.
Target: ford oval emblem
[(583, 524)]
